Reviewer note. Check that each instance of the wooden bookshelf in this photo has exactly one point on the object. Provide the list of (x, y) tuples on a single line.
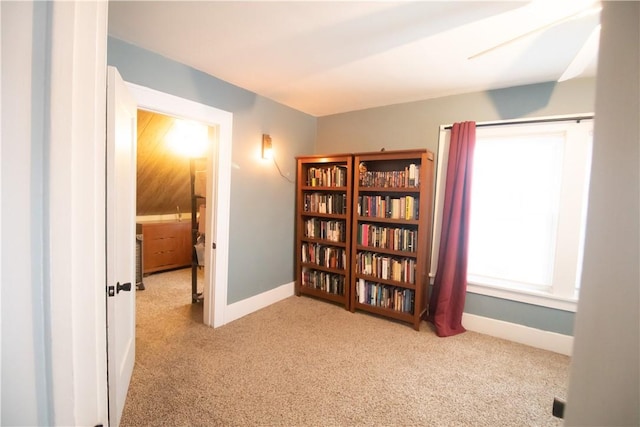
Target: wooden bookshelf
[(391, 234), (323, 227)]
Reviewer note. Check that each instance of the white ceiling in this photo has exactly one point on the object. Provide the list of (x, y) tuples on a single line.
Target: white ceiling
[(324, 57)]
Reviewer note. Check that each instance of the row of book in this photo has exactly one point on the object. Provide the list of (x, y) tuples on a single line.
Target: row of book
[(409, 177), (325, 203), (332, 230), (377, 236), (406, 207), (326, 256), (330, 176), (386, 267), (328, 282), (386, 296)]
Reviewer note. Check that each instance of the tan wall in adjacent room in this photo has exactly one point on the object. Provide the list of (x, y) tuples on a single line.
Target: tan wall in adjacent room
[(163, 178)]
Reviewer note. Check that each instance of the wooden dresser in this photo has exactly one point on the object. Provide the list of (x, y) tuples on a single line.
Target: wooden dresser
[(165, 245)]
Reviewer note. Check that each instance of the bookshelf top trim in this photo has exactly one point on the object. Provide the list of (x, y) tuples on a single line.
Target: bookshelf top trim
[(324, 158), (395, 154)]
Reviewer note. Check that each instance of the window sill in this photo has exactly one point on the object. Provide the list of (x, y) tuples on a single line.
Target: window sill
[(543, 299)]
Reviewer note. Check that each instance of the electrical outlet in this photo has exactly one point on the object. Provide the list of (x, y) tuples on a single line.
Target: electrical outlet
[(558, 408)]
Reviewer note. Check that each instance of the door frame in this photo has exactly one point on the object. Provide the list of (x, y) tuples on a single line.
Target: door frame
[(218, 190)]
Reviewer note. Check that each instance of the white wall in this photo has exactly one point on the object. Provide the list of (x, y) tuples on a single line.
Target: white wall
[(53, 130), (604, 381)]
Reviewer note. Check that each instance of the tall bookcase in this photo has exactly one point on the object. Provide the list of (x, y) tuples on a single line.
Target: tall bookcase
[(323, 227), (391, 231)]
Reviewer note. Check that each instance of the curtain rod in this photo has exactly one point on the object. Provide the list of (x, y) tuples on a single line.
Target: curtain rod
[(527, 121)]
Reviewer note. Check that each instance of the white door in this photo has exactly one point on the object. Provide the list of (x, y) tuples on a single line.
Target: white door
[(120, 244)]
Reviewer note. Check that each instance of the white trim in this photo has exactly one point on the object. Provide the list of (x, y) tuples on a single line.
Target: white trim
[(216, 316), (537, 338), (436, 226), (530, 297), (215, 290), (247, 306), (74, 220)]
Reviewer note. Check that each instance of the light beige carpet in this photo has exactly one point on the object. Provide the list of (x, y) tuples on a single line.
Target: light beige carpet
[(304, 362)]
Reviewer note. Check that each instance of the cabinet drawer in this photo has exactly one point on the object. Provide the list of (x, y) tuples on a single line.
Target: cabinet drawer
[(165, 245), (161, 244)]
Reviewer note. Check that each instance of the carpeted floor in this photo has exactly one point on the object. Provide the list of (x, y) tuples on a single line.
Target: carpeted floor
[(304, 362)]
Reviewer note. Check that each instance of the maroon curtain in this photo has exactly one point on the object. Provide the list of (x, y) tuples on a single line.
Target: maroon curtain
[(450, 287)]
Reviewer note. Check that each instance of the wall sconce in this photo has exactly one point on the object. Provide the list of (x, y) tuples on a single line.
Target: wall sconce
[(267, 151)]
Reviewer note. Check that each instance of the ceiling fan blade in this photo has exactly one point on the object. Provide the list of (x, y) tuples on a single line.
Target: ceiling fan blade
[(589, 11), (588, 51)]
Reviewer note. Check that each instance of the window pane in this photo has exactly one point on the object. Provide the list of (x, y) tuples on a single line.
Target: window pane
[(514, 208)]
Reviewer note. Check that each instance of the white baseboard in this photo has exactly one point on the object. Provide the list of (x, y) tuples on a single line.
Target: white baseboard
[(247, 306), (538, 338)]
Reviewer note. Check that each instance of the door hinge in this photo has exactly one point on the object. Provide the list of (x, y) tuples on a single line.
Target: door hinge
[(213, 245)]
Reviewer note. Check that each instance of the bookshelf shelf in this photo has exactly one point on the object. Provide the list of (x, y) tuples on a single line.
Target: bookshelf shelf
[(403, 254), (323, 268), (323, 188), (323, 215), (386, 312), (323, 227), (390, 282), (324, 242), (405, 190), (324, 295), (387, 220), (391, 232)]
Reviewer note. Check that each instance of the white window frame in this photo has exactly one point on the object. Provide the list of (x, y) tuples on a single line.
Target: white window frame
[(558, 297)]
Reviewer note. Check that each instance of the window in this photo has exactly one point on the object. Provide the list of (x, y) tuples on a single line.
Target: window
[(528, 210)]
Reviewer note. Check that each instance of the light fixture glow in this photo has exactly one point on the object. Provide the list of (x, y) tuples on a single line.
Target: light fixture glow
[(267, 148), (188, 139)]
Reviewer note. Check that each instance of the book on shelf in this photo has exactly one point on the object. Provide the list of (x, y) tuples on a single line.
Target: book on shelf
[(325, 203), (386, 267), (321, 280), (412, 175), (386, 237), (325, 256), (327, 176), (385, 296), (405, 207), (333, 230), (408, 177)]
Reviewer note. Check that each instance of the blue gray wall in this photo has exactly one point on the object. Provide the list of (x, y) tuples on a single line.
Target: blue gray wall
[(262, 202), (416, 125), (261, 230)]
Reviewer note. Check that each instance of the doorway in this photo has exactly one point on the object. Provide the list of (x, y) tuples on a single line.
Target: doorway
[(216, 219), (171, 198)]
